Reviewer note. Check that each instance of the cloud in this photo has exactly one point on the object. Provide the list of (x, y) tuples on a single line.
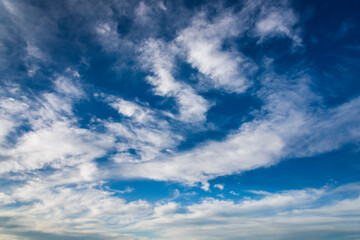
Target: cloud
[(280, 21), (53, 138), (234, 193), (142, 11), (258, 143), (284, 127), (6, 199), (10, 110), (202, 42), (334, 128), (159, 57), (254, 146), (87, 210), (69, 87), (24, 33), (143, 130), (64, 145), (277, 214), (131, 109), (144, 140), (63, 210)]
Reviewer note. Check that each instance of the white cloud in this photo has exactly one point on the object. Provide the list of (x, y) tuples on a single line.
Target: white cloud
[(202, 42), (332, 129), (57, 145), (6, 199), (282, 214), (131, 109), (277, 22), (35, 52), (162, 6), (10, 109), (103, 28), (142, 12), (84, 209), (9, 7), (144, 140), (259, 143), (145, 130), (234, 193), (53, 138), (280, 129), (158, 57), (25, 33), (108, 36), (219, 186), (282, 200), (254, 146), (69, 86)]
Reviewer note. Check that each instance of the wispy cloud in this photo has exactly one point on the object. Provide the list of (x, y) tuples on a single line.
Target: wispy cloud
[(278, 21), (159, 58), (202, 42), (145, 131), (86, 208), (54, 138)]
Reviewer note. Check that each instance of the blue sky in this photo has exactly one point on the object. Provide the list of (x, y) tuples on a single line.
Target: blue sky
[(179, 119)]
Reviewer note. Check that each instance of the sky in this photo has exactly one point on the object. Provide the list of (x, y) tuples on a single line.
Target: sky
[(140, 120)]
